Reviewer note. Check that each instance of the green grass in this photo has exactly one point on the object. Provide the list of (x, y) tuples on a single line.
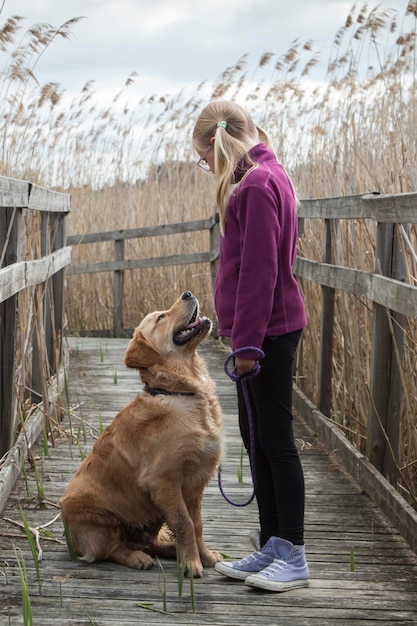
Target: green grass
[(34, 550), (26, 602)]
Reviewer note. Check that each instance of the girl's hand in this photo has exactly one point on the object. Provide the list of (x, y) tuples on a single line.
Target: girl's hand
[(244, 366)]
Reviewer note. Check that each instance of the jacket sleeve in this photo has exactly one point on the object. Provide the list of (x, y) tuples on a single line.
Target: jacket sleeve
[(257, 214)]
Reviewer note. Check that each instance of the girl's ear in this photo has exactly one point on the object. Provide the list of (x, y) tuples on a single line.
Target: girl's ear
[(212, 141)]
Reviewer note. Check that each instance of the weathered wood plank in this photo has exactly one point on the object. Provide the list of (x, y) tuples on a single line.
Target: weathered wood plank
[(13, 193), (146, 231), (130, 264), (388, 292), (18, 276), (398, 208), (42, 199)]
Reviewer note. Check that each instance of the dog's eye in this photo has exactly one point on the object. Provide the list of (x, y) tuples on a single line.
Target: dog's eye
[(160, 317)]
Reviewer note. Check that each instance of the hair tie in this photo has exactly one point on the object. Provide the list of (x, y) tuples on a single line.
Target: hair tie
[(222, 124)]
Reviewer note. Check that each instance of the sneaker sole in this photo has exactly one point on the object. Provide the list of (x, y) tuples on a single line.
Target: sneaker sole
[(269, 585), (222, 568)]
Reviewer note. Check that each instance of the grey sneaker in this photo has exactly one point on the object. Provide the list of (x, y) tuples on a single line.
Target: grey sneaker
[(251, 564), (288, 569)]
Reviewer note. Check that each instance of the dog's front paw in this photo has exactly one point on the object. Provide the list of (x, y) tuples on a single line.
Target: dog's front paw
[(139, 560), (210, 557), (196, 567)]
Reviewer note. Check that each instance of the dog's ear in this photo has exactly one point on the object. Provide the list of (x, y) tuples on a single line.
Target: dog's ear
[(140, 353)]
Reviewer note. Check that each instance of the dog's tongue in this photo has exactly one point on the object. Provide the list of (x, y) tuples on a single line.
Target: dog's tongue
[(186, 329), (192, 325), (186, 332)]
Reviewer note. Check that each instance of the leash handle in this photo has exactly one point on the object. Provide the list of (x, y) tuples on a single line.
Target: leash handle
[(233, 373)]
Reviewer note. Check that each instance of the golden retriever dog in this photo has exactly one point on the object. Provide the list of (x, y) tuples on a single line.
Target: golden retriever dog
[(139, 491)]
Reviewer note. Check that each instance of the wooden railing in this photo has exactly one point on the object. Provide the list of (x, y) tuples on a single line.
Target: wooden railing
[(32, 261), (383, 287), (119, 264)]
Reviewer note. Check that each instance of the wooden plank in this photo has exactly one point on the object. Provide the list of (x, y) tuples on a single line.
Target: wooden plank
[(388, 292), (25, 274), (13, 193), (146, 231), (130, 264), (41, 199), (398, 208), (338, 207)]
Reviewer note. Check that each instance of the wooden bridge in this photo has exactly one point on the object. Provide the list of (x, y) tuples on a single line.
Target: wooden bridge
[(361, 535), (362, 571)]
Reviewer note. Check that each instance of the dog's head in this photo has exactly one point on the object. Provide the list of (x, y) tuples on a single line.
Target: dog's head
[(164, 334)]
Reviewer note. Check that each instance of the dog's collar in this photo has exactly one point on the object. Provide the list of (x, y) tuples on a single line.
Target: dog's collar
[(158, 391)]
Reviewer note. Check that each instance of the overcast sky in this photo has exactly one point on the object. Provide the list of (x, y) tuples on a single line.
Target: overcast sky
[(174, 43)]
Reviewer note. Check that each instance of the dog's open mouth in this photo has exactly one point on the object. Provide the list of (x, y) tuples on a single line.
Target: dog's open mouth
[(196, 326)]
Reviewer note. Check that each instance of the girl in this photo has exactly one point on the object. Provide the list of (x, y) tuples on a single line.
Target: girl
[(259, 305)]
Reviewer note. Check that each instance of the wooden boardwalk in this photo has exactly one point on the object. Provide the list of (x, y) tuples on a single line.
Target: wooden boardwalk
[(362, 572)]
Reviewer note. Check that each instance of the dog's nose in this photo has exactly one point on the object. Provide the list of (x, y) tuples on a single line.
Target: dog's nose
[(187, 295)]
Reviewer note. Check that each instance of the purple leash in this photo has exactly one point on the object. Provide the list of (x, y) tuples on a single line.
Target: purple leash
[(243, 378)]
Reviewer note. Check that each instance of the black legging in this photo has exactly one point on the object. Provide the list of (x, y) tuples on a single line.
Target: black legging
[(279, 475)]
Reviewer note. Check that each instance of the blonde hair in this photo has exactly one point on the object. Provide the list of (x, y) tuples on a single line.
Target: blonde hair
[(233, 128)]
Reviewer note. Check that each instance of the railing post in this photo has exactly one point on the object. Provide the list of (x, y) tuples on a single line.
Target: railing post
[(58, 235), (326, 330), (386, 351), (43, 341), (119, 253), (10, 240)]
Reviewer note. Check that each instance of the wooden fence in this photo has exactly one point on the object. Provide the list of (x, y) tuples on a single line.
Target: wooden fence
[(119, 264), (383, 288), (32, 261)]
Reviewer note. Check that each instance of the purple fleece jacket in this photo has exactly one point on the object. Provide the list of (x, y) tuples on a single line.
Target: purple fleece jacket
[(256, 294)]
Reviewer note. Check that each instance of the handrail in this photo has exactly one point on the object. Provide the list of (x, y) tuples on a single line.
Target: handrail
[(38, 315)]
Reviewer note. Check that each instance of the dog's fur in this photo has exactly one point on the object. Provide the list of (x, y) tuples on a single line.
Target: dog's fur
[(138, 493)]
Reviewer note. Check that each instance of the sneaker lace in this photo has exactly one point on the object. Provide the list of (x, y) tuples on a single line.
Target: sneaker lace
[(252, 557), (255, 556), (276, 567)]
